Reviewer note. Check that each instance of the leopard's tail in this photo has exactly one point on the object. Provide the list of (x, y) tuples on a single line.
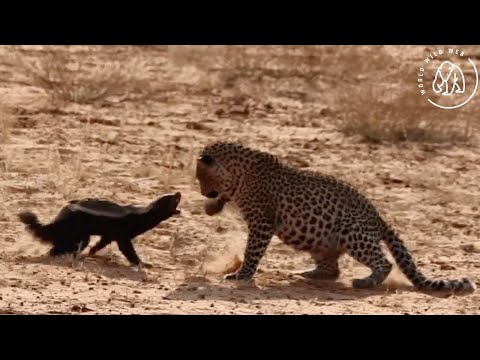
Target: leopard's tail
[(407, 265), (42, 232)]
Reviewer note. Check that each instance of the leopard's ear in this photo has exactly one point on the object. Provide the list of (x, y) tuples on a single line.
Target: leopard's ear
[(206, 159)]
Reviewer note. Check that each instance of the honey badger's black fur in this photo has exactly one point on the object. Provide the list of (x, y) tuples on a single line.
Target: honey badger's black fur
[(70, 231)]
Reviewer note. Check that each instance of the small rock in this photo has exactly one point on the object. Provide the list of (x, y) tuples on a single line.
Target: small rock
[(447, 267), (80, 308), (471, 248), (457, 225), (327, 112), (220, 112)]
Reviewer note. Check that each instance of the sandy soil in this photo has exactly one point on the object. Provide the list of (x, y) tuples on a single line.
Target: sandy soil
[(133, 149)]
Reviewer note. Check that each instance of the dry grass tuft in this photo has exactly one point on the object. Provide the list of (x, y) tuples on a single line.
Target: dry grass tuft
[(391, 110), (67, 175), (368, 104), (75, 78), (405, 117), (3, 204), (6, 122)]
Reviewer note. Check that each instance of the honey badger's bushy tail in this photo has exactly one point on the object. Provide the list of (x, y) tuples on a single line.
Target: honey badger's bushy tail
[(33, 225), (407, 265)]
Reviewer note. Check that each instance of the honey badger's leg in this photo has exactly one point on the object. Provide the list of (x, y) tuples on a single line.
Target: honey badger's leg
[(127, 249), (83, 243), (104, 241), (69, 244), (59, 251)]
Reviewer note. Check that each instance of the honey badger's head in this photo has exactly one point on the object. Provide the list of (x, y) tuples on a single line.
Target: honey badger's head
[(167, 205)]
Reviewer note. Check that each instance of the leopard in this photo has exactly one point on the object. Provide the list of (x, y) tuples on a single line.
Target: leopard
[(311, 211)]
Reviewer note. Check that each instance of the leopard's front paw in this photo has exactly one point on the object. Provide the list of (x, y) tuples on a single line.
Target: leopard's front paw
[(239, 276)]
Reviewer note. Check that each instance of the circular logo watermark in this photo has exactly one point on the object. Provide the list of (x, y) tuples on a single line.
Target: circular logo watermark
[(448, 79)]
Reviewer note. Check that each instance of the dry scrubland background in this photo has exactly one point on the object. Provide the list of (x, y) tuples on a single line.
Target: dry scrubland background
[(126, 123)]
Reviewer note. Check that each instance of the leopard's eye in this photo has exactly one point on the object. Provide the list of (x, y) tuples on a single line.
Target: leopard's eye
[(206, 159)]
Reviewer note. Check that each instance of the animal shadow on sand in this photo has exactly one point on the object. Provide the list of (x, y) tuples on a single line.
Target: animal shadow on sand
[(292, 287), (101, 265)]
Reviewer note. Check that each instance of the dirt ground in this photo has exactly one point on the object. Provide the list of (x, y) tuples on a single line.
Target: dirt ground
[(141, 143)]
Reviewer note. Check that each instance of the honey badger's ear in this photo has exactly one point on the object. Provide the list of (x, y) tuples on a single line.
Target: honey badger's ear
[(207, 159)]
